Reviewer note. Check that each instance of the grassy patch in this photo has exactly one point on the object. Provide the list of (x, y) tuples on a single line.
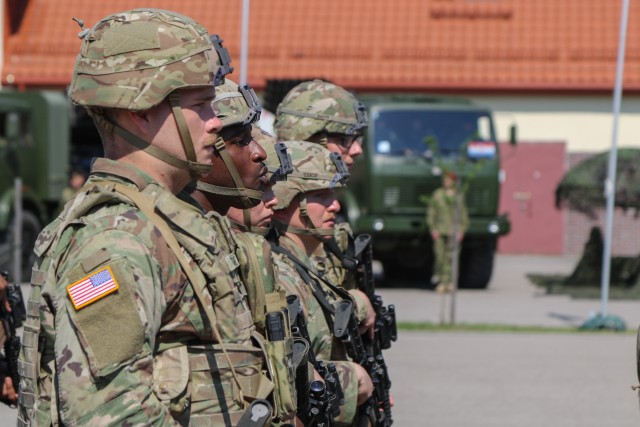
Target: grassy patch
[(555, 284), (490, 327)]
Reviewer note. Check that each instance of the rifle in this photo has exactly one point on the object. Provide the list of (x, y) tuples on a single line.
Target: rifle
[(345, 328), (322, 403), (364, 350), (12, 321)]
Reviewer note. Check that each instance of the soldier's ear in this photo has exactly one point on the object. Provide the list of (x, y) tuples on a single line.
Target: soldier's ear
[(146, 123)]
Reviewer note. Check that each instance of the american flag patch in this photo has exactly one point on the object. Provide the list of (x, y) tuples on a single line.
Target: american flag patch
[(91, 288)]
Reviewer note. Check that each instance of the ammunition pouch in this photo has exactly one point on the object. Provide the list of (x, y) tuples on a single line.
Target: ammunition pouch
[(196, 383)]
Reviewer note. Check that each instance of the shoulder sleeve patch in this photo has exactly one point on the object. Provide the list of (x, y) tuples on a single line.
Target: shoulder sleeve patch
[(92, 288), (107, 320)]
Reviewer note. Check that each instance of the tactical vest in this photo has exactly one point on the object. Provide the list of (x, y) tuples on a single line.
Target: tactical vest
[(256, 268), (254, 254), (188, 378)]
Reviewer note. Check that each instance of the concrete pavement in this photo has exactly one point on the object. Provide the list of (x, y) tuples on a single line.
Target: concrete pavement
[(453, 379), (459, 379)]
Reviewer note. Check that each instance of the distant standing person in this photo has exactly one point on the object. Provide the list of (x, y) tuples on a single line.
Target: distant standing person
[(77, 179), (441, 219)]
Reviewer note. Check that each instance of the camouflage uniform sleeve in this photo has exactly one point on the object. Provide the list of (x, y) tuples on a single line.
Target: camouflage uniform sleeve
[(104, 349), (432, 211), (360, 305), (349, 382)]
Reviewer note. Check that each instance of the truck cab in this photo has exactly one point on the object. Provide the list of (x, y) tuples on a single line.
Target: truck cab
[(411, 139)]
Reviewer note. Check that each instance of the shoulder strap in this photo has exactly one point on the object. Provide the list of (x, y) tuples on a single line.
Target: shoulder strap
[(146, 206), (313, 281), (258, 282), (346, 258)]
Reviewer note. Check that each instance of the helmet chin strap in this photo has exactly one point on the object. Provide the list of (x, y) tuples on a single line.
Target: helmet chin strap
[(248, 197), (311, 229), (247, 227), (196, 170)]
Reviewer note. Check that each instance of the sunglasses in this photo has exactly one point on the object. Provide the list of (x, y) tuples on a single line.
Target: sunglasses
[(345, 141)]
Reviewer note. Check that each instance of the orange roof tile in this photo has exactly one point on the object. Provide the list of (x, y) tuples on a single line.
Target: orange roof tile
[(371, 44)]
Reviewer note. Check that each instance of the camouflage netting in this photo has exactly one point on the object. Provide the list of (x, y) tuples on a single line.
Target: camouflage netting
[(582, 188), (624, 272)]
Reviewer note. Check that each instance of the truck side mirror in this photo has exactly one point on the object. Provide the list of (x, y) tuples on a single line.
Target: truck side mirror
[(513, 134)]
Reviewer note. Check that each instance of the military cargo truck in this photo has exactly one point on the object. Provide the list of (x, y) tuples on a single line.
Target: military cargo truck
[(41, 138), (411, 139)]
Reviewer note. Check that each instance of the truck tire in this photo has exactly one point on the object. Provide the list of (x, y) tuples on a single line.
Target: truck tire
[(31, 227), (476, 263)]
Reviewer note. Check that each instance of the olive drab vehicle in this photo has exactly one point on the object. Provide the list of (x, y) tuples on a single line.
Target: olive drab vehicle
[(42, 137), (410, 141)]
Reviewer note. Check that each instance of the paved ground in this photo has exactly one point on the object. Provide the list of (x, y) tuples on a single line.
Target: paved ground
[(508, 380), (501, 379)]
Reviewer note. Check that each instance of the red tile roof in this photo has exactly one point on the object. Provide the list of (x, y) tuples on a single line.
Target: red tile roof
[(493, 45)]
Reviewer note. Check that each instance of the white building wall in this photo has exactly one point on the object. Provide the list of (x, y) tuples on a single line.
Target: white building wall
[(585, 123)]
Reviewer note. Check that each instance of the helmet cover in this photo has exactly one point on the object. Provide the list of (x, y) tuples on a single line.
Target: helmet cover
[(134, 59), (318, 106), (314, 168), (235, 104)]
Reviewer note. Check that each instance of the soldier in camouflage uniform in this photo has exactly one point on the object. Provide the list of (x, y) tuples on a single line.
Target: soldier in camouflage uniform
[(441, 219), (134, 318), (303, 218), (239, 178), (327, 114)]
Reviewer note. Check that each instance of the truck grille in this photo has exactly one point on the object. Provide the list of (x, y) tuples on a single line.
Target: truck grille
[(408, 197), (404, 195), (478, 200)]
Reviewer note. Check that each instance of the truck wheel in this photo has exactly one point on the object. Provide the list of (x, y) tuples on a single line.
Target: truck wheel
[(476, 264), (31, 227)]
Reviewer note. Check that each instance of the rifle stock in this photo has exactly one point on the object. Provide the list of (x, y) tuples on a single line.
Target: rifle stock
[(378, 409)]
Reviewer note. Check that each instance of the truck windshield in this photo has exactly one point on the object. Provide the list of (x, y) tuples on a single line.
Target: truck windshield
[(415, 132)]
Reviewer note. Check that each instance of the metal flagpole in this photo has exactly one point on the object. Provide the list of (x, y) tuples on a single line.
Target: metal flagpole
[(613, 160), (244, 41)]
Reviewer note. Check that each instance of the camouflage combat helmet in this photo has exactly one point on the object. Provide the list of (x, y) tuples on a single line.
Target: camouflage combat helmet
[(234, 105), (136, 59), (316, 106), (314, 168), (278, 158)]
